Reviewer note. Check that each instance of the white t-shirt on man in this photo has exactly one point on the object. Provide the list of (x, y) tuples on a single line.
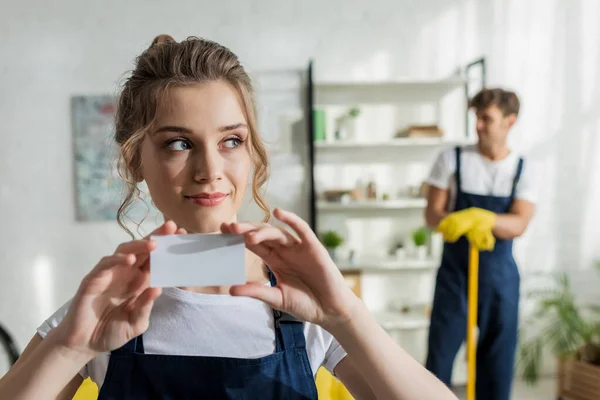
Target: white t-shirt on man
[(481, 176), (188, 323)]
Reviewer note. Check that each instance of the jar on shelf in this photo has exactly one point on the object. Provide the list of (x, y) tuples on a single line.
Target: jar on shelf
[(372, 189)]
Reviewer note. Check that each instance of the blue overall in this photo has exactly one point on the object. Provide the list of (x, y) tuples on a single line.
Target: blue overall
[(285, 374), (497, 313)]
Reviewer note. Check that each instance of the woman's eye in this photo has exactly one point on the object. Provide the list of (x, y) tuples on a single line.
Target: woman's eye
[(232, 143), (178, 145)]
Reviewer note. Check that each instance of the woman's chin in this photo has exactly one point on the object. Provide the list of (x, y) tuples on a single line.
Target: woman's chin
[(213, 226)]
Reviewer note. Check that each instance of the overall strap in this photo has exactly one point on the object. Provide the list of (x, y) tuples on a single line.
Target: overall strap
[(289, 331), (457, 150), (517, 177), (135, 345)]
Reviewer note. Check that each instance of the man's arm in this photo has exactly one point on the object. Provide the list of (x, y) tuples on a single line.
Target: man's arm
[(514, 223), (437, 202)]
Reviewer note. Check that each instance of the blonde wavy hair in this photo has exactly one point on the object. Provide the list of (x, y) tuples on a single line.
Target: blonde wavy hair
[(166, 64)]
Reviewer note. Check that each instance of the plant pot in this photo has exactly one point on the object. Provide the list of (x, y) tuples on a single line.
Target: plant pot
[(578, 380), (421, 252)]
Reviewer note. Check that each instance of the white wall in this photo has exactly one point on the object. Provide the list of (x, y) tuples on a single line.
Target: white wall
[(546, 50)]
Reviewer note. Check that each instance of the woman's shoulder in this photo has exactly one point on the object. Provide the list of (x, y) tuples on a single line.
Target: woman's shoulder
[(319, 339), (322, 348)]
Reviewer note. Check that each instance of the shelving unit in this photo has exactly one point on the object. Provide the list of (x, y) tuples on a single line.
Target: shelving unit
[(397, 204), (381, 92), (393, 144), (394, 321), (380, 148), (391, 265)]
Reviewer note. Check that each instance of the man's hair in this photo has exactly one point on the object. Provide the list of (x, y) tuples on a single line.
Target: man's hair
[(505, 100)]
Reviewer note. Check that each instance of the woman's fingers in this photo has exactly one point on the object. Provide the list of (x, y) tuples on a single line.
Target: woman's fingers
[(240, 228), (168, 228), (299, 226), (263, 251), (272, 235), (140, 280), (143, 247), (270, 295), (140, 311), (136, 247), (94, 282), (263, 233), (114, 260)]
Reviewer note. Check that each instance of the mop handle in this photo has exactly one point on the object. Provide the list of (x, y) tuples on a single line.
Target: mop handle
[(472, 320)]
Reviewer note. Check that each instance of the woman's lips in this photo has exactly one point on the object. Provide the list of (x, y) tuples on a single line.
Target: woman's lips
[(207, 199)]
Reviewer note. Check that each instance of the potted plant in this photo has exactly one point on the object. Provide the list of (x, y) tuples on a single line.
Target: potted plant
[(346, 124), (571, 331), (332, 240), (420, 240)]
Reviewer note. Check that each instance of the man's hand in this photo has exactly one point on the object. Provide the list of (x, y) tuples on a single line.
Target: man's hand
[(481, 239), (460, 223)]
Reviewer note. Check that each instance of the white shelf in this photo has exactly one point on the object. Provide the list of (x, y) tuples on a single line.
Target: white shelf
[(410, 143), (384, 92), (367, 264), (398, 204), (394, 321)]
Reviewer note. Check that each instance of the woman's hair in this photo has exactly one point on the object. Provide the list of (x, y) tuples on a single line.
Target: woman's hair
[(166, 64)]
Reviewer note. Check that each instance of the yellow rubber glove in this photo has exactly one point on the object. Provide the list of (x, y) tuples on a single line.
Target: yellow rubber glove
[(481, 238), (458, 223)]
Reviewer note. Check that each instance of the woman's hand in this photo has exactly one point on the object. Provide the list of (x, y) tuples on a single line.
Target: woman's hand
[(113, 302), (309, 284)]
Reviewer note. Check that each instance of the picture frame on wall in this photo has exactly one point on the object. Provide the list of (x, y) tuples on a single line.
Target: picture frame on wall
[(99, 189)]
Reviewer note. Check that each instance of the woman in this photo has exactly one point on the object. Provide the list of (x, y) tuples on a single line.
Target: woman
[(186, 126)]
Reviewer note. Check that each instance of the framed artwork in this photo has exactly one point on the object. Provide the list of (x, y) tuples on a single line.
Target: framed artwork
[(98, 187)]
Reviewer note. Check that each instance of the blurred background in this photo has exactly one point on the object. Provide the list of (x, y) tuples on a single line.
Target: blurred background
[(396, 70)]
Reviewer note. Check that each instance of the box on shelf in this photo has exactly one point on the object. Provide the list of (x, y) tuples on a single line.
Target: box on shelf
[(421, 131), (335, 195)]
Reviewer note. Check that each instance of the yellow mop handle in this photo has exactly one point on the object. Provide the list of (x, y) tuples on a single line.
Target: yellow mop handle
[(472, 320)]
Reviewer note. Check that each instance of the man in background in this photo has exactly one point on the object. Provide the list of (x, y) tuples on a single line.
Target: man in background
[(485, 194)]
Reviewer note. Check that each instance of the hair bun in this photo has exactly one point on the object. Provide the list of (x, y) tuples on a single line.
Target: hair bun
[(162, 39)]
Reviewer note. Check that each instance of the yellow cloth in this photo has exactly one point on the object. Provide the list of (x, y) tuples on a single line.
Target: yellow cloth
[(475, 223), (330, 388), (87, 391)]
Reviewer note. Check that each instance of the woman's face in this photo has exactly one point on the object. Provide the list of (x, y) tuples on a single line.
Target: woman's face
[(196, 159)]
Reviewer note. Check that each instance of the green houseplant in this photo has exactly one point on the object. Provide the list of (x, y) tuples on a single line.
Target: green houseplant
[(346, 124), (332, 240), (571, 331), (420, 237)]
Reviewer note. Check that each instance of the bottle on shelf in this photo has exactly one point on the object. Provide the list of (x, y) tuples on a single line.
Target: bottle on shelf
[(372, 189)]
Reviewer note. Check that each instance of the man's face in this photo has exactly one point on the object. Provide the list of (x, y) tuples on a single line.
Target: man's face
[(493, 126)]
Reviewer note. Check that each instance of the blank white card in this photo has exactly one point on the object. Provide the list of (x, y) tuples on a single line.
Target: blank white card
[(198, 260)]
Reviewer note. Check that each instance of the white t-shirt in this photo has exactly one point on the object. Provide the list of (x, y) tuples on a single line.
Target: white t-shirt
[(188, 323), (481, 176)]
